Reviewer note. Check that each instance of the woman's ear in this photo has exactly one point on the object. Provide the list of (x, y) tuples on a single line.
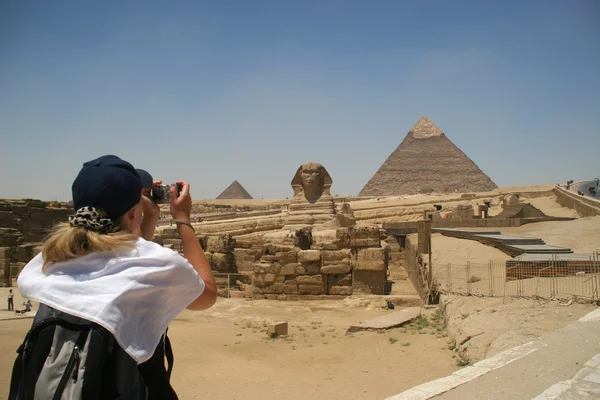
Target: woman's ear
[(131, 214)]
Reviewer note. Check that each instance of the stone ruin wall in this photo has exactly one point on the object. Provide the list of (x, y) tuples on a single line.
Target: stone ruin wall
[(353, 261), (23, 225)]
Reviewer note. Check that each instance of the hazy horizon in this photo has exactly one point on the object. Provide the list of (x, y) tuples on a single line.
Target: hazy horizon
[(213, 92)]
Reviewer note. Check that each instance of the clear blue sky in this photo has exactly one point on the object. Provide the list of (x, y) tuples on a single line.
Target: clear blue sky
[(217, 91)]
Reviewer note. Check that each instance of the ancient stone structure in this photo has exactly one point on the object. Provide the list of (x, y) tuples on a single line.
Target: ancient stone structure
[(312, 203), (510, 200), (318, 252), (425, 162), (463, 210), (234, 191), (23, 225)]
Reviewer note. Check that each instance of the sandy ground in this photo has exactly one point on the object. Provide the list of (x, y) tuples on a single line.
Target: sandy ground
[(488, 326), (458, 251), (550, 207), (224, 353)]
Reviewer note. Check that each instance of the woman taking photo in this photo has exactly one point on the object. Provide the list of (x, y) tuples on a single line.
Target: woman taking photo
[(107, 295)]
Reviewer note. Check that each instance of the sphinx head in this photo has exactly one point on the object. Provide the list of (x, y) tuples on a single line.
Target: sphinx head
[(312, 180)]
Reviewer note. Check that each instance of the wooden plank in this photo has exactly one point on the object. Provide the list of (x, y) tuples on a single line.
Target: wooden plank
[(387, 321)]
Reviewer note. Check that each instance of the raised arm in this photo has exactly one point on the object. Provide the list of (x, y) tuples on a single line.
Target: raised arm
[(180, 210)]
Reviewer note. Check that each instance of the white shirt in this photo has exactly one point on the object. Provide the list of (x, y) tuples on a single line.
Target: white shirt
[(135, 294)]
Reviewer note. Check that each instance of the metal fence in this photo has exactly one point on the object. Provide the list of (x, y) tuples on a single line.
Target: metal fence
[(228, 283), (556, 278)]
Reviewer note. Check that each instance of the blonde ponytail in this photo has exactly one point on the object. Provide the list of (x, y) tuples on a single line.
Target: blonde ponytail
[(67, 242)]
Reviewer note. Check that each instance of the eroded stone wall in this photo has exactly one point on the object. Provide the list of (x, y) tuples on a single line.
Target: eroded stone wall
[(23, 225), (349, 261)]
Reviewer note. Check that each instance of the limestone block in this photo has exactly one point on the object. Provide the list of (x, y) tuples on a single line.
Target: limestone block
[(276, 329), (170, 232), (371, 259), (220, 244), (290, 286), (261, 282), (289, 269), (309, 256), (243, 255), (340, 290), (310, 289), (24, 252), (271, 248), (4, 254), (222, 262), (335, 256), (336, 268), (244, 266), (310, 280), (365, 236), (300, 270), (269, 258), (340, 280), (262, 268), (287, 257), (244, 259), (274, 268), (343, 237), (10, 237), (275, 288)]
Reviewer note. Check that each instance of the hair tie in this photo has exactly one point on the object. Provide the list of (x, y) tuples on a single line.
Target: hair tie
[(91, 219)]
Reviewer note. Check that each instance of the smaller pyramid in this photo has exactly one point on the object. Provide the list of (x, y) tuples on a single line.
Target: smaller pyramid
[(233, 192)]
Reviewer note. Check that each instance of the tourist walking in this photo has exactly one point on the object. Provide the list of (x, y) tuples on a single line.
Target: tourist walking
[(11, 304), (107, 295)]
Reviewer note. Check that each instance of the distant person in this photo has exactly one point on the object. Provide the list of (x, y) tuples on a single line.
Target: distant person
[(11, 304), (27, 308), (597, 181)]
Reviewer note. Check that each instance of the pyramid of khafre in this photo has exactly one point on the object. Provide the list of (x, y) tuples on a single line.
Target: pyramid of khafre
[(234, 191), (427, 161)]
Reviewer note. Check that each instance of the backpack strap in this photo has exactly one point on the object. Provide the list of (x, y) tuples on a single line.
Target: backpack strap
[(169, 356)]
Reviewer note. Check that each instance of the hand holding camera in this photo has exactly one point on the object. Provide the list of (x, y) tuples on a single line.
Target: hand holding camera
[(180, 200)]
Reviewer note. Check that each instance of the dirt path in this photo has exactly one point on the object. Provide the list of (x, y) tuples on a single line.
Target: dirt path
[(224, 353)]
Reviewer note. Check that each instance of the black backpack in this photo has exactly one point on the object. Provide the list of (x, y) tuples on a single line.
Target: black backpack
[(66, 357)]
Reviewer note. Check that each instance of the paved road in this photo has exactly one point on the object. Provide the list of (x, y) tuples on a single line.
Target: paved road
[(561, 365)]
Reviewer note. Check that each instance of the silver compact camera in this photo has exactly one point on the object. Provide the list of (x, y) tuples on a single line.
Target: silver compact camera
[(160, 193)]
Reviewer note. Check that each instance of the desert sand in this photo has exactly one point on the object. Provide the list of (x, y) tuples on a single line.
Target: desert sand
[(224, 353)]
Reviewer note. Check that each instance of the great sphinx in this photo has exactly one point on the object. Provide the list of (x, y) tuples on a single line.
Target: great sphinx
[(311, 183), (313, 204)]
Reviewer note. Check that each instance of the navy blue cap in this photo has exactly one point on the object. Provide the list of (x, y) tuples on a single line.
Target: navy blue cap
[(146, 178), (107, 183)]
